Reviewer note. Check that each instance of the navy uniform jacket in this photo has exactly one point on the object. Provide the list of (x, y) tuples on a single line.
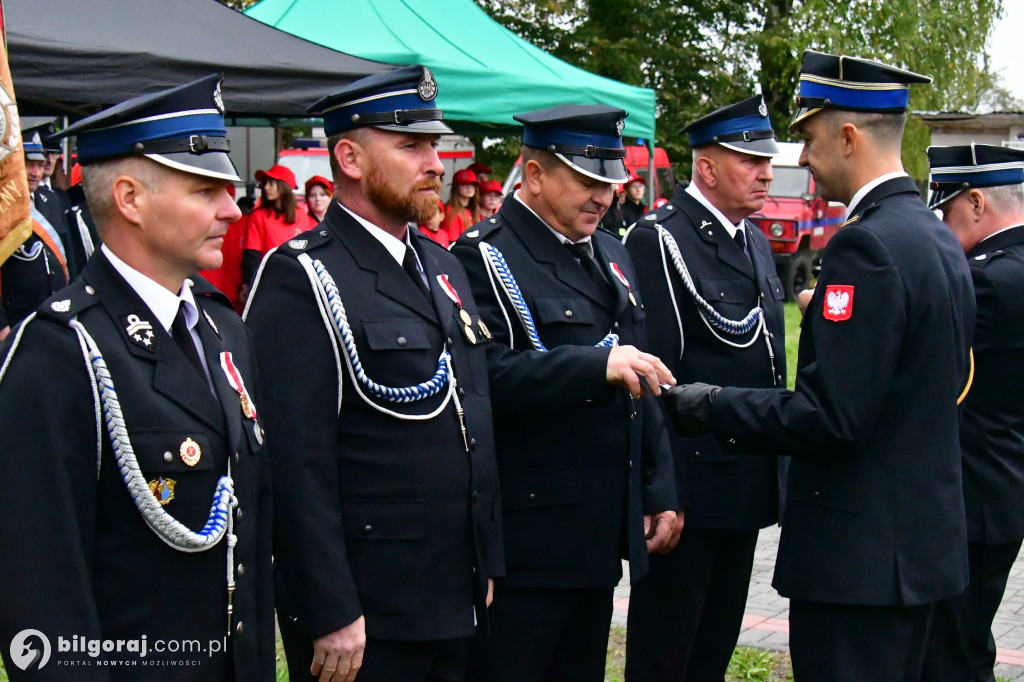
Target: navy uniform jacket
[(874, 511), (580, 461), (726, 490), (992, 429), (376, 516), (78, 557), (31, 275), (54, 204)]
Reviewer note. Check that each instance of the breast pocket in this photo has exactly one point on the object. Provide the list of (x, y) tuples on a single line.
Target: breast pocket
[(563, 310), (396, 334), (730, 297), (775, 286), (171, 452)]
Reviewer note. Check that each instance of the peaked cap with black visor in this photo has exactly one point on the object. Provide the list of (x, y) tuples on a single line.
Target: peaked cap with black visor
[(743, 127), (954, 169), (401, 100), (829, 81), (46, 136), (586, 137), (180, 128)]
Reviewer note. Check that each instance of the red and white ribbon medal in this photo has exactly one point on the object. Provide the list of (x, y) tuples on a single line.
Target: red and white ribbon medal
[(622, 278), (838, 305), (235, 379), (467, 321)]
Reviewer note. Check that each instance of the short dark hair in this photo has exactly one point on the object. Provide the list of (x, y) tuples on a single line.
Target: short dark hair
[(882, 127)]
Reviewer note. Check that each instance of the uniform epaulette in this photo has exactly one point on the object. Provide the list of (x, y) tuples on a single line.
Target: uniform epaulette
[(983, 259), (481, 230), (64, 305), (306, 241)]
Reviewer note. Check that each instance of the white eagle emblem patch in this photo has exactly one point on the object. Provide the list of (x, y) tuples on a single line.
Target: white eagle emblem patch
[(838, 302)]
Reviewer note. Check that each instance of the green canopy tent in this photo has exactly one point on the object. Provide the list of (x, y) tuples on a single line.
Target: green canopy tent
[(485, 73)]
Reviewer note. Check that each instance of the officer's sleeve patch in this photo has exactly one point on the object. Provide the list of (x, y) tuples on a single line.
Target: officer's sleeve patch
[(838, 305)]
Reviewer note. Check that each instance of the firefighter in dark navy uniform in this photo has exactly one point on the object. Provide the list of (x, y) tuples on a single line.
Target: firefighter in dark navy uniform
[(133, 467), (582, 448), (873, 529), (714, 313), (387, 515), (979, 190), (37, 268)]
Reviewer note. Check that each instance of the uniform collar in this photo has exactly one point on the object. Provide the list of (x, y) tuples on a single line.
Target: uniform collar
[(157, 298), (562, 239), (863, 191), (692, 190), (394, 245), (1014, 234)]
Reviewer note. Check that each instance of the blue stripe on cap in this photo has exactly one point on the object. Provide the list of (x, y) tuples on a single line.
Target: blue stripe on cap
[(32, 147), (857, 95), (706, 134), (339, 118), (541, 137), (120, 139), (990, 178)]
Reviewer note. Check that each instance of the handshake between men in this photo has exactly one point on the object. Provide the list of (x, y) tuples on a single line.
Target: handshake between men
[(688, 407)]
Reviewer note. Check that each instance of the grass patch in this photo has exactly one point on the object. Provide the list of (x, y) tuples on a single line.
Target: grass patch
[(748, 664), (793, 317)]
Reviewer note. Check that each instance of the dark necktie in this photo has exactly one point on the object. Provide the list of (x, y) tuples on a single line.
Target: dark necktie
[(183, 339), (409, 265), (741, 241), (581, 253)]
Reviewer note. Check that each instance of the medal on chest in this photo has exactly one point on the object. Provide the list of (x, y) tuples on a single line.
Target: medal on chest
[(464, 317), (234, 378), (622, 278)]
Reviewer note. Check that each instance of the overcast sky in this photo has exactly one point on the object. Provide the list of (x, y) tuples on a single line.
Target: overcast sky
[(1005, 47)]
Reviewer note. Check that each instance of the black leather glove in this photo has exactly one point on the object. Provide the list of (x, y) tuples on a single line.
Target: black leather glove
[(689, 407)]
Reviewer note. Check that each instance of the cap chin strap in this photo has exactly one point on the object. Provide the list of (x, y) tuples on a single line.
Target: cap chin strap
[(195, 144), (589, 151), (399, 117)]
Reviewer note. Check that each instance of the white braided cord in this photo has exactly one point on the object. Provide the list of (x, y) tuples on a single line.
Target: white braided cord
[(754, 320), (327, 292), (499, 267), (167, 528)]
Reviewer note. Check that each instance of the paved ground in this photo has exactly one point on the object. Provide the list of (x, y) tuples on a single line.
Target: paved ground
[(766, 622)]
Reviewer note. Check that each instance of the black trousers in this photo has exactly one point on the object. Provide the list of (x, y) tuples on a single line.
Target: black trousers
[(383, 660), (546, 635), (853, 643), (961, 647), (685, 615)]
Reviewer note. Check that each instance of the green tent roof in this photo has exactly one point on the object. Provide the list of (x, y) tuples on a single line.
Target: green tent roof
[(485, 73)]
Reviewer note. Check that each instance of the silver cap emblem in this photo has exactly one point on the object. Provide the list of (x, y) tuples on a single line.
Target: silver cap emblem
[(762, 109), (217, 99), (427, 89), (619, 126)]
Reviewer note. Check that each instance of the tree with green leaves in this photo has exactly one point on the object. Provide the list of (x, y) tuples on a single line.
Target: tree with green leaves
[(698, 55)]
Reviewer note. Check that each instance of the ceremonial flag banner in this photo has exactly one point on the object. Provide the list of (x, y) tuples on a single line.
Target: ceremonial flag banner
[(15, 212)]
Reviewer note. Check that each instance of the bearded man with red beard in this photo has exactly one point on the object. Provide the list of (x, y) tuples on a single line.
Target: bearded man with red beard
[(387, 518)]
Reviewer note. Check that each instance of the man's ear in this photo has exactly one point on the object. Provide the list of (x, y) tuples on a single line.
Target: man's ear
[(976, 202), (533, 176), (349, 154), (708, 171), (130, 198), (851, 137)]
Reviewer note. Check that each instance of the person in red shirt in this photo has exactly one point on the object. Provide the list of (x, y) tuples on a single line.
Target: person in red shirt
[(319, 191), (275, 220), (432, 228), (490, 198), (463, 208), (228, 277)]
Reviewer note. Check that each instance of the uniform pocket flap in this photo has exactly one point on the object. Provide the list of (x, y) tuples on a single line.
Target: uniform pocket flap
[(382, 519), (775, 285), (397, 334), (724, 290), (553, 309), (171, 451), (542, 490), (831, 497)]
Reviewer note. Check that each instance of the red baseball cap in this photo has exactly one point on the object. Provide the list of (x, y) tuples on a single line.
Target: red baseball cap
[(634, 178), (278, 172), (319, 180), (478, 167), (464, 177), (490, 186)]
